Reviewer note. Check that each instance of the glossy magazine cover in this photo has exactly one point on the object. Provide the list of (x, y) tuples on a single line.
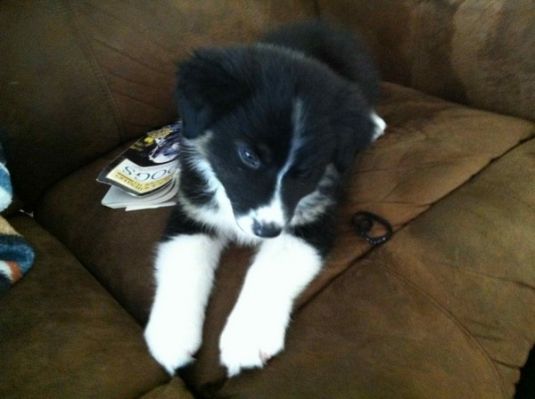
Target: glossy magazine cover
[(148, 165)]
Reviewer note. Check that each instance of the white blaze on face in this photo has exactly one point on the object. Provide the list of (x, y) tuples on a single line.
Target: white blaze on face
[(273, 213)]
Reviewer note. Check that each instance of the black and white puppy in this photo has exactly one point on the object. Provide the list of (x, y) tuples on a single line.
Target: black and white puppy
[(269, 131)]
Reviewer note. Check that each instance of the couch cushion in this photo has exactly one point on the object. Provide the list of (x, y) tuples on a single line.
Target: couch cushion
[(63, 336), (444, 310), (431, 148)]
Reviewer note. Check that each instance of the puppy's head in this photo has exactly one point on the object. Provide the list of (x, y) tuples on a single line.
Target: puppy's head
[(269, 124)]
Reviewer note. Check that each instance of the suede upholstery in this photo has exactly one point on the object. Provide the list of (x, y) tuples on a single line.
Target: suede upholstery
[(62, 335), (478, 52), (443, 310)]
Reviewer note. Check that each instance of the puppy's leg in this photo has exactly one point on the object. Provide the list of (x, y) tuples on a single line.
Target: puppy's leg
[(185, 266), (255, 329)]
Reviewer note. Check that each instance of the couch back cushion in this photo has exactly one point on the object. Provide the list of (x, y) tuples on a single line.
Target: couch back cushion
[(79, 78), (476, 52)]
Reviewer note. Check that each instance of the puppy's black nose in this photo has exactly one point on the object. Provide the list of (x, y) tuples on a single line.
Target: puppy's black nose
[(266, 230)]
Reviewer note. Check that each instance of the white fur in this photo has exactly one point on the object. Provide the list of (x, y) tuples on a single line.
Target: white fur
[(185, 268), (256, 328), (222, 216), (380, 126)]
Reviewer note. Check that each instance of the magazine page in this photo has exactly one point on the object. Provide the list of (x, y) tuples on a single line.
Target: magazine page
[(148, 165)]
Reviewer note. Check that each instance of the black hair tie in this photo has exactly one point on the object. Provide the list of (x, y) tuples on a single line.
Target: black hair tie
[(363, 223)]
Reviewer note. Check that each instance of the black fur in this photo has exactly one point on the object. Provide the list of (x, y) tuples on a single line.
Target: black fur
[(181, 223), (246, 95), (270, 130), (337, 48)]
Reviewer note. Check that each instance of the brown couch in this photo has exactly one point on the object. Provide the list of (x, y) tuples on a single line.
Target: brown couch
[(443, 310)]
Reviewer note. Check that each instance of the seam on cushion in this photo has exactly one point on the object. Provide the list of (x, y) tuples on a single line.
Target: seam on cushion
[(130, 57), (110, 155), (95, 67), (436, 304), (354, 262), (145, 33), (429, 206), (70, 18), (82, 266)]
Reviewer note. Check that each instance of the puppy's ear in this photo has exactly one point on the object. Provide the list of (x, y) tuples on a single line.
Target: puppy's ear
[(210, 84), (354, 127)]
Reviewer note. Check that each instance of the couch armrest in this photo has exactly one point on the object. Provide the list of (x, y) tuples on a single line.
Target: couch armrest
[(475, 52)]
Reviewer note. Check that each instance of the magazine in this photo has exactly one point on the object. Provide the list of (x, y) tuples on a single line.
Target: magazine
[(146, 174)]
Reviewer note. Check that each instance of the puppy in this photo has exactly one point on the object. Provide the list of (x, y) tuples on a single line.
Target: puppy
[(269, 131)]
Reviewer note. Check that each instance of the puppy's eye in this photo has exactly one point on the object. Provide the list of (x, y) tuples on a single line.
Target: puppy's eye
[(248, 156)]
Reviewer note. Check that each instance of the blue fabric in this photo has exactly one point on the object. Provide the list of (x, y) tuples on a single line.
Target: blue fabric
[(16, 249), (5, 181), (6, 191)]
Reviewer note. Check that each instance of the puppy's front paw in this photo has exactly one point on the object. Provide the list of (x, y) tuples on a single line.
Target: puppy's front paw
[(171, 342), (250, 339)]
